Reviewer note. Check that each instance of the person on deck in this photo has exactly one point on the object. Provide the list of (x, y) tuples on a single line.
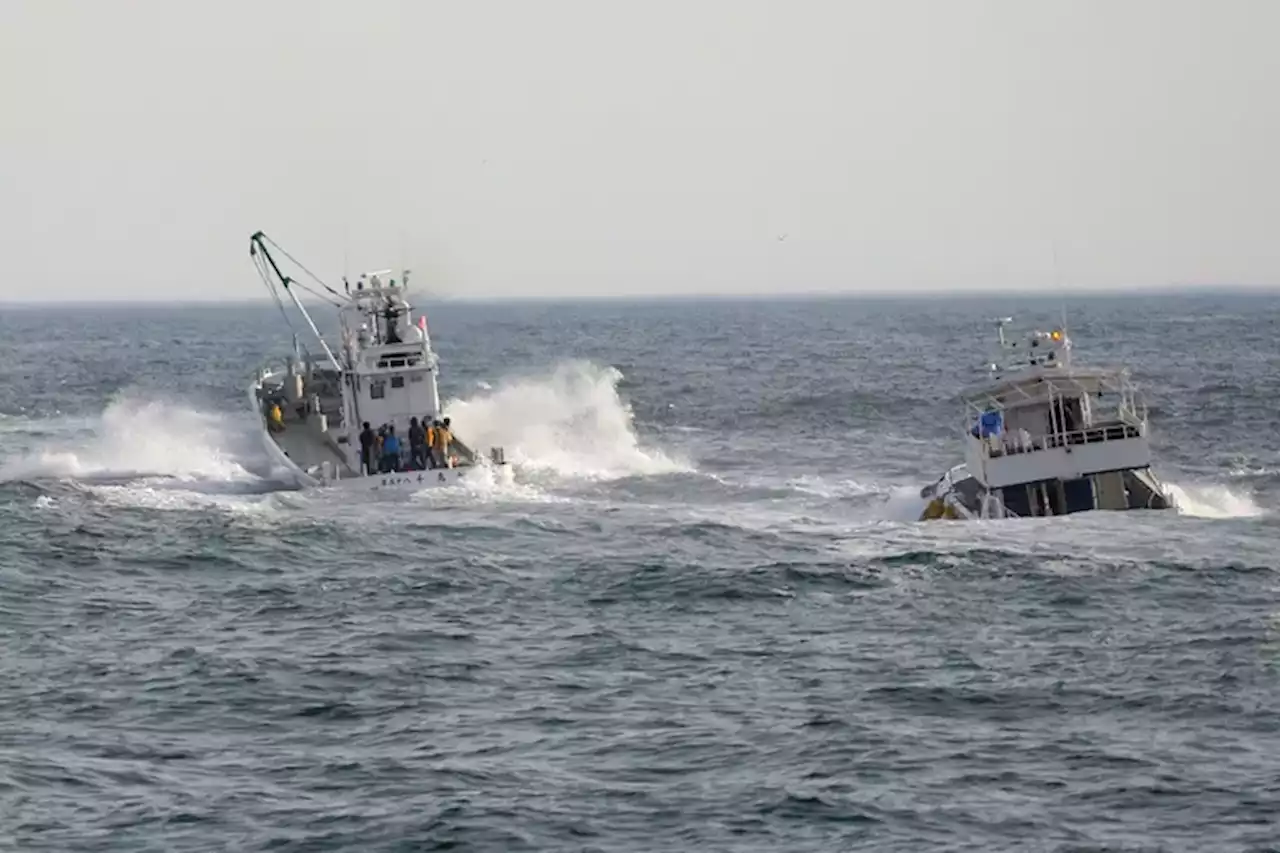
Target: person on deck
[(367, 442), (275, 418), (430, 425), (453, 442), (440, 448), (391, 451), (417, 444)]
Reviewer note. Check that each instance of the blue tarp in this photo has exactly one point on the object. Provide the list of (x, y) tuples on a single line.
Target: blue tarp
[(989, 424)]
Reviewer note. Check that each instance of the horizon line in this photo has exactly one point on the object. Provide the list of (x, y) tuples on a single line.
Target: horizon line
[(813, 295)]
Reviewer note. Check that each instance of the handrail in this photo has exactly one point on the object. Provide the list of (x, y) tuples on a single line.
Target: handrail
[(1120, 431), (1129, 408)]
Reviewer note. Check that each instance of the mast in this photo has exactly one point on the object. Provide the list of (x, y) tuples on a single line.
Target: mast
[(1057, 283), (258, 247)]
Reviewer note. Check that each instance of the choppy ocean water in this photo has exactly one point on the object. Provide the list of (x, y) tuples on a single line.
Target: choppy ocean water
[(697, 618)]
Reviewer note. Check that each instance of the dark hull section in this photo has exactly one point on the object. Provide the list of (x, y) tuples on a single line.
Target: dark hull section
[(1112, 490)]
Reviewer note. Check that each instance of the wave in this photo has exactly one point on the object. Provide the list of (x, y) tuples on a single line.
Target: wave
[(138, 439), (570, 422), (1212, 500)]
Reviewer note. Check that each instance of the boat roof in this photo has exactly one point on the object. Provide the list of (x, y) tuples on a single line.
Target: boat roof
[(1029, 381)]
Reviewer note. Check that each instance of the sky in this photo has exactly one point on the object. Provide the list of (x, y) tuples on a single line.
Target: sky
[(586, 148)]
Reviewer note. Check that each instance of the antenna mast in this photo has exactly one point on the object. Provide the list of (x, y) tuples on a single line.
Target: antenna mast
[(1057, 282)]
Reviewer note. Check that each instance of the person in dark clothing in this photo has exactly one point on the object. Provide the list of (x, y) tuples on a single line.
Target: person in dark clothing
[(417, 444), (367, 440)]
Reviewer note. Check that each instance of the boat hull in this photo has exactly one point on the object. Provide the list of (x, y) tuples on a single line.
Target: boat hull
[(410, 481), (957, 495), (335, 473)]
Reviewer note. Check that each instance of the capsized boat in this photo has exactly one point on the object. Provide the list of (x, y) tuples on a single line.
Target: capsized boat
[(313, 410), (1044, 437)]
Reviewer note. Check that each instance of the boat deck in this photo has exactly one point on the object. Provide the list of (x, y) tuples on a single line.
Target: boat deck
[(308, 448)]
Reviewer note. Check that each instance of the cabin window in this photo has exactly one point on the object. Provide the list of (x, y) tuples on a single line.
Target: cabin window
[(377, 390), (400, 359), (397, 381), (411, 361)]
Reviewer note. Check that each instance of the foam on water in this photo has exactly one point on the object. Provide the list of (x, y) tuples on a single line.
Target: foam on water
[(904, 504), (488, 484), (167, 498), (1213, 500), (827, 488), (151, 443)]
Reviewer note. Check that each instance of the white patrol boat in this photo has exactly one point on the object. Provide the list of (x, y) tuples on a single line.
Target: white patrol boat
[(1044, 437), (328, 419)]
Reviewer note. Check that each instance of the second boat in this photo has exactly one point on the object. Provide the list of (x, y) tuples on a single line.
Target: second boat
[(1044, 437)]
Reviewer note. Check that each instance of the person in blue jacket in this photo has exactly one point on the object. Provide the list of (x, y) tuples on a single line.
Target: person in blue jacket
[(391, 451)]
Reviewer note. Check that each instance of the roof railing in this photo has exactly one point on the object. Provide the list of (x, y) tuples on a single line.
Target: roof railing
[(1060, 387), (1014, 444)]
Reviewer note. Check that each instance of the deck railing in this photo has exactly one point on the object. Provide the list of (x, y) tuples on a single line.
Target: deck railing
[(1010, 444)]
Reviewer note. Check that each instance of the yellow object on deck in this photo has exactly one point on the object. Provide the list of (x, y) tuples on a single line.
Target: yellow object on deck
[(938, 508)]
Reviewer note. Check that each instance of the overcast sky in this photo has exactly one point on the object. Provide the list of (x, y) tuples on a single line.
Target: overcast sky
[(608, 147)]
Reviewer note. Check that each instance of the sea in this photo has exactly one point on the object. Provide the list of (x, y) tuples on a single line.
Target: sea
[(696, 614)]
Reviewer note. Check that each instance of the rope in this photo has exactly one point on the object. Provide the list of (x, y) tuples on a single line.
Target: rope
[(317, 294), (299, 265), (261, 266)]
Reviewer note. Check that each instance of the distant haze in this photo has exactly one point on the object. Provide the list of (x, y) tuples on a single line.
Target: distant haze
[(599, 148)]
